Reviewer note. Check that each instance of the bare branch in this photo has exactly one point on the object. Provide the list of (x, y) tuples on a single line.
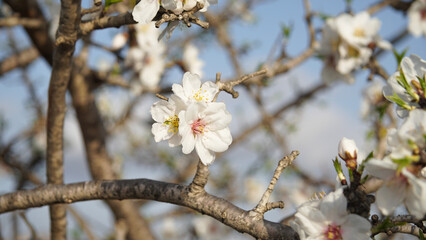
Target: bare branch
[(106, 22), (264, 205), (25, 22), (61, 74), (205, 203), (20, 59)]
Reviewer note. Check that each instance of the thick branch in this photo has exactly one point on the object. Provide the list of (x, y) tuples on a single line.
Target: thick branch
[(61, 73), (107, 22), (205, 203)]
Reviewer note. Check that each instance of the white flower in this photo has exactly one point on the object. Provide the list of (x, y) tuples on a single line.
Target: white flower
[(417, 18), (328, 219), (192, 91), (399, 187), (145, 10), (347, 149), (165, 113), (347, 43), (411, 132), (404, 87), (204, 126), (372, 96), (153, 67), (191, 60), (360, 30), (119, 41)]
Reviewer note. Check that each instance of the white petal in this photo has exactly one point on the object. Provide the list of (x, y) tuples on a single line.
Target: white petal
[(416, 195), (210, 88), (381, 168), (389, 196), (217, 141), (160, 132), (191, 82), (162, 110), (145, 11), (188, 139), (333, 206), (356, 228), (207, 157), (311, 220), (178, 91)]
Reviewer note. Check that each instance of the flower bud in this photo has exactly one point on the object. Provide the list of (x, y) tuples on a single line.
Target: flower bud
[(348, 152)]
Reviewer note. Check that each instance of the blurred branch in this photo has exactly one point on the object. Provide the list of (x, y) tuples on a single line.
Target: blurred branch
[(94, 136), (20, 59), (205, 203), (24, 22), (29, 225), (39, 36)]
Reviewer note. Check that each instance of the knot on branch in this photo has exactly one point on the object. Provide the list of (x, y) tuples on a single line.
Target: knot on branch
[(187, 17)]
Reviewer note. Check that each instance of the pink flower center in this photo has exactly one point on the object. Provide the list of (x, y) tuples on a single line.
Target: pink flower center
[(333, 232), (198, 127)]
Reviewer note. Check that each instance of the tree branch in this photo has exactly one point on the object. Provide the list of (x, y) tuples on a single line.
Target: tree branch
[(61, 73), (205, 203), (20, 59)]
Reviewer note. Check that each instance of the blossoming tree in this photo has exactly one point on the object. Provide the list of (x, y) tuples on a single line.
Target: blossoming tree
[(152, 108)]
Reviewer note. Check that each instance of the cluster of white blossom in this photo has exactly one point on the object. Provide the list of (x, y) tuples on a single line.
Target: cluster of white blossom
[(191, 118), (417, 18), (146, 58), (403, 169), (347, 43), (146, 10)]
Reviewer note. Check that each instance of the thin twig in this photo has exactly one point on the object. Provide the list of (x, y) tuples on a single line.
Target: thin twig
[(264, 205)]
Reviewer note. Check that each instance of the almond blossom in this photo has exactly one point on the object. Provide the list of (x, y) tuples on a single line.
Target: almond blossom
[(400, 186), (147, 59), (407, 87), (204, 126), (328, 218), (417, 18), (347, 43), (192, 90), (165, 113)]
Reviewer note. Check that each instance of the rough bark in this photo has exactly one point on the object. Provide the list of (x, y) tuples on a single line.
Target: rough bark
[(199, 200)]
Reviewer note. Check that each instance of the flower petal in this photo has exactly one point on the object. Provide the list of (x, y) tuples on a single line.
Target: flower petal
[(145, 11), (207, 157), (217, 141), (356, 228), (390, 195), (191, 83)]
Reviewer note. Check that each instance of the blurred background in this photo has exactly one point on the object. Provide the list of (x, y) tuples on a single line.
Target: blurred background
[(258, 32)]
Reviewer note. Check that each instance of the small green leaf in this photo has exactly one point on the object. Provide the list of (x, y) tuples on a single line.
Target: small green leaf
[(399, 56), (421, 235), (423, 83), (396, 99)]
